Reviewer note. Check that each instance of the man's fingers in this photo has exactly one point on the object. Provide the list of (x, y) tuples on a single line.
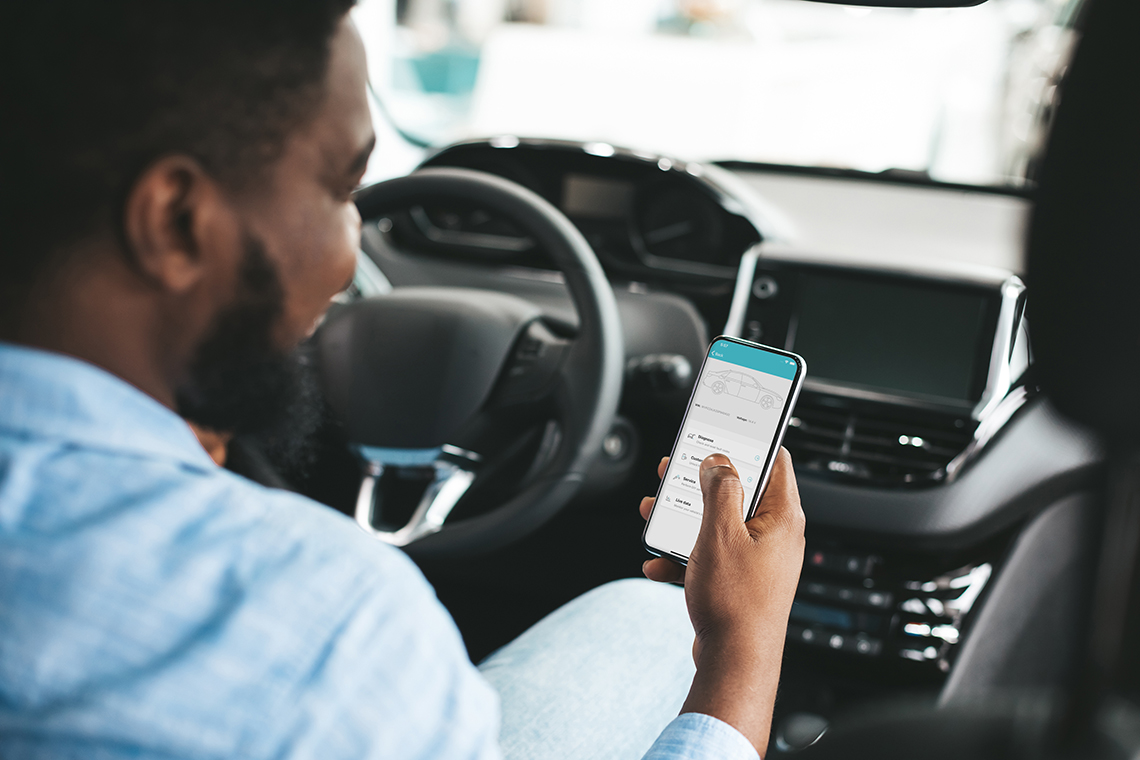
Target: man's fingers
[(647, 502), (722, 493), (663, 571), (782, 492)]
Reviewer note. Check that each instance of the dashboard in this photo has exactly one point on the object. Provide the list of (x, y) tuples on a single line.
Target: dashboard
[(919, 440), (645, 216), (904, 366)]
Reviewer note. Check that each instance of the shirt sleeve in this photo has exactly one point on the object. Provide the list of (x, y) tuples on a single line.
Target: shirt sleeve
[(695, 736)]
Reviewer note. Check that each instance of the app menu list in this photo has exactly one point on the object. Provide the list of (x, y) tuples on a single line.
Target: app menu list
[(682, 489)]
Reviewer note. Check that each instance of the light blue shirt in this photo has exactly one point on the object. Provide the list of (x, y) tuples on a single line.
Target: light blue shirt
[(155, 605)]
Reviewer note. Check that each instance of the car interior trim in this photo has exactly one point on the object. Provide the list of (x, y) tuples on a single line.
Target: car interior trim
[(738, 197), (369, 280), (432, 232), (886, 397), (966, 272), (449, 483), (734, 325), (731, 194), (999, 380), (993, 422), (1040, 457)]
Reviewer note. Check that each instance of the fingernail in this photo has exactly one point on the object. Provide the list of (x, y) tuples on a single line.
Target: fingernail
[(715, 460)]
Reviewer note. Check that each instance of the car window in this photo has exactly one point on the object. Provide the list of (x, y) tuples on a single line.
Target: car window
[(955, 94)]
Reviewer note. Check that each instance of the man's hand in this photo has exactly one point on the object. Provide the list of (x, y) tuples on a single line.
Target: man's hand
[(739, 586)]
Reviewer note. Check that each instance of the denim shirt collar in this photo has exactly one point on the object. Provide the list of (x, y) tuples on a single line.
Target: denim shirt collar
[(49, 396)]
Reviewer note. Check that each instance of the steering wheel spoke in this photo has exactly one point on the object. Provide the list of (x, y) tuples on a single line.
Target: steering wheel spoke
[(453, 475), (534, 364)]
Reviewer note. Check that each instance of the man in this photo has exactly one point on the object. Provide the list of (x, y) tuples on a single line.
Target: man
[(176, 214)]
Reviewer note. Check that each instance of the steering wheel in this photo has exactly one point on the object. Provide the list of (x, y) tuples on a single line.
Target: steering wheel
[(470, 383)]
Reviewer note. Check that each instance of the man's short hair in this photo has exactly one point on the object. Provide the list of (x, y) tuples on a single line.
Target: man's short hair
[(99, 89)]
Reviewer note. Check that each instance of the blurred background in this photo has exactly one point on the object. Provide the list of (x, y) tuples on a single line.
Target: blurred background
[(957, 95)]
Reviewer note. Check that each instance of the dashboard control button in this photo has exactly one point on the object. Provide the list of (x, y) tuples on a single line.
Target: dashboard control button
[(880, 599), (852, 564), (765, 287), (754, 331), (805, 635), (919, 655), (858, 643), (816, 589), (660, 373), (914, 606)]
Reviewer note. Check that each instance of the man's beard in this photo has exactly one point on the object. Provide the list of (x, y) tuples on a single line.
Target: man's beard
[(241, 383)]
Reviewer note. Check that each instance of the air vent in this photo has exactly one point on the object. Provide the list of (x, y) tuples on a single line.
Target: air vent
[(875, 442)]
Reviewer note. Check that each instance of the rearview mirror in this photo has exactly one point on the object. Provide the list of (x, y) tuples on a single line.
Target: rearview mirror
[(905, 3)]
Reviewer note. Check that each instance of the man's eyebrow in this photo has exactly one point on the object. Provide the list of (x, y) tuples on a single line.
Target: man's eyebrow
[(360, 161)]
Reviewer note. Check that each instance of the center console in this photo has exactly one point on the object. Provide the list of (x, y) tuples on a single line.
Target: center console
[(911, 377)]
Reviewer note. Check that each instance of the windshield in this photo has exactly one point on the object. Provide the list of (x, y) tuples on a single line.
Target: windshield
[(959, 95)]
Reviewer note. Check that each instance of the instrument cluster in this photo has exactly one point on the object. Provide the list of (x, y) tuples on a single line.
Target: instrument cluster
[(647, 217)]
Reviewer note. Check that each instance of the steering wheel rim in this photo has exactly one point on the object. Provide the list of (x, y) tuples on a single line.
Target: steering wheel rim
[(589, 381)]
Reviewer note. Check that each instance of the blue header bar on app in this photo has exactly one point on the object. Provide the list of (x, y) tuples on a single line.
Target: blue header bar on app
[(753, 358)]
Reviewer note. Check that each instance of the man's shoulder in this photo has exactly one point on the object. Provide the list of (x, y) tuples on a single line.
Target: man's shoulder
[(287, 538), (130, 504), (114, 544), (200, 599)]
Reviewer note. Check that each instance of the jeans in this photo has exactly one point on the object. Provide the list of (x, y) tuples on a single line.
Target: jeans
[(598, 678)]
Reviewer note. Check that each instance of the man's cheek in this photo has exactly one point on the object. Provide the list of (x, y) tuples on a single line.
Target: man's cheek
[(330, 263), (353, 224), (333, 250), (349, 244), (320, 240)]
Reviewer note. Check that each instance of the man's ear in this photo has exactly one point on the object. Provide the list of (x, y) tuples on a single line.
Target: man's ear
[(173, 219)]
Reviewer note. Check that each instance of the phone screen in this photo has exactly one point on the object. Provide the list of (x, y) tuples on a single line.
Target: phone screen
[(740, 406)]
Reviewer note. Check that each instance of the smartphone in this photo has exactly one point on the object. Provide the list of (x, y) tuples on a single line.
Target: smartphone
[(740, 407)]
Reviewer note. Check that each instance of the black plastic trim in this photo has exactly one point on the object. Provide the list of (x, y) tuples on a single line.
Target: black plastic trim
[(1038, 458)]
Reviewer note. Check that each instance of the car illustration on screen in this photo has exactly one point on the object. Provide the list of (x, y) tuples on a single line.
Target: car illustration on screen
[(743, 386)]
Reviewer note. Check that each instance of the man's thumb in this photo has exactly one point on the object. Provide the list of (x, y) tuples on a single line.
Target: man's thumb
[(723, 494)]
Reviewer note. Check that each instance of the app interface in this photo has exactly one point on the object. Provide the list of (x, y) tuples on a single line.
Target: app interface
[(736, 409)]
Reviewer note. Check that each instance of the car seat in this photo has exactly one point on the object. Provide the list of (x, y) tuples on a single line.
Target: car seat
[(1049, 667)]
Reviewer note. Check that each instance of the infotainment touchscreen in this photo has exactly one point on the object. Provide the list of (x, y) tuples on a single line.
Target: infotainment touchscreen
[(893, 336)]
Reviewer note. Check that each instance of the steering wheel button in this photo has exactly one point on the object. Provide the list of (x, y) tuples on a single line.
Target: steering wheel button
[(614, 445)]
